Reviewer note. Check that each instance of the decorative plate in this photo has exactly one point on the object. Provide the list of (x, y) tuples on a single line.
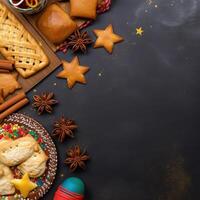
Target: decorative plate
[(43, 138)]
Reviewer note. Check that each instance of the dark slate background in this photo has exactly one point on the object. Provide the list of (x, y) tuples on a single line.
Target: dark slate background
[(139, 120)]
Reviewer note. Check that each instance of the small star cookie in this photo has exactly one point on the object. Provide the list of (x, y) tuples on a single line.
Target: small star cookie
[(73, 72), (9, 83), (107, 38), (24, 185)]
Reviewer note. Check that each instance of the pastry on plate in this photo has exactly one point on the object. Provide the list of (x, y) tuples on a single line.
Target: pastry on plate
[(14, 152), (83, 8), (35, 166), (17, 44), (29, 156), (56, 24), (6, 175)]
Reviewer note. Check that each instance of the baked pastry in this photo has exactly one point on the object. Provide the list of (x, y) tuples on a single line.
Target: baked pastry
[(35, 166), (34, 176), (107, 38), (8, 84), (18, 45), (83, 8), (56, 24), (73, 72), (14, 152), (6, 175)]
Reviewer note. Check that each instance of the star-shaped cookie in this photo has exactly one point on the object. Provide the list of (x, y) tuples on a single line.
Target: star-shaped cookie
[(107, 38), (24, 185), (73, 72), (8, 83)]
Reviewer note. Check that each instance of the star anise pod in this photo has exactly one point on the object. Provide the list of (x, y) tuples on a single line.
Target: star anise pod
[(76, 158), (64, 127), (79, 41), (44, 102)]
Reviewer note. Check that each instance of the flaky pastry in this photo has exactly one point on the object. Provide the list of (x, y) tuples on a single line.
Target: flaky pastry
[(17, 44), (14, 152), (35, 165), (6, 187)]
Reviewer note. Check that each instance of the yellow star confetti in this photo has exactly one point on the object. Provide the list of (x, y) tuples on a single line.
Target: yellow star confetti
[(24, 185), (139, 31)]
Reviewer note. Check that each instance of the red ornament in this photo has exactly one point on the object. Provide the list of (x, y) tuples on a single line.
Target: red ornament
[(63, 194)]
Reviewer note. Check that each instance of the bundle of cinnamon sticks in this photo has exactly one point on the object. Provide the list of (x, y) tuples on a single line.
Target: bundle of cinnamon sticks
[(6, 66), (13, 104)]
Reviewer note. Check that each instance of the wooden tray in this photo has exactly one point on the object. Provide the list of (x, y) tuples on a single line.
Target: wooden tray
[(29, 83), (32, 19)]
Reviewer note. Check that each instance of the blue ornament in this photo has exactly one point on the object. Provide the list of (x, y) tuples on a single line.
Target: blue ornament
[(75, 185), (71, 188)]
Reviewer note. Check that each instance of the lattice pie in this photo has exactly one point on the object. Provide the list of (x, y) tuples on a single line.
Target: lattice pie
[(18, 45)]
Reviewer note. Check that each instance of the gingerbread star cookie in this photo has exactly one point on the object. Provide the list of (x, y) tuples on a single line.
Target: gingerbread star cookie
[(8, 83), (107, 38), (24, 185), (73, 72)]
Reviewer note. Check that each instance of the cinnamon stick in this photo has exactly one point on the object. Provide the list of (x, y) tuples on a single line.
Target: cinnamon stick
[(6, 64), (1, 96), (12, 101), (4, 70), (13, 108), (7, 61)]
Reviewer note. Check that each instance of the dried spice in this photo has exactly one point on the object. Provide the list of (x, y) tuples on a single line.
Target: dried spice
[(76, 158), (79, 41), (1, 96), (64, 127), (44, 102)]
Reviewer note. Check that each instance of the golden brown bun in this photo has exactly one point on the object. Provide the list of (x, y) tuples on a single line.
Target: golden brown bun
[(56, 24), (83, 8)]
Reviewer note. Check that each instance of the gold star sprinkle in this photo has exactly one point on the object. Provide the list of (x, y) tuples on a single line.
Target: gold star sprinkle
[(24, 185), (139, 31)]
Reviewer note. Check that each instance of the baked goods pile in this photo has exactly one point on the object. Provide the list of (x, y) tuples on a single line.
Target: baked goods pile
[(23, 159), (25, 57), (57, 24), (28, 158)]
